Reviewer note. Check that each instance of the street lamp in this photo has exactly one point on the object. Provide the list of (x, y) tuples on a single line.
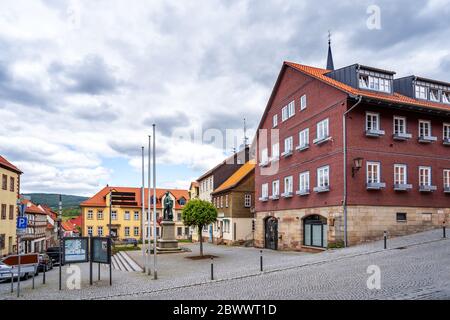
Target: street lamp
[(357, 165)]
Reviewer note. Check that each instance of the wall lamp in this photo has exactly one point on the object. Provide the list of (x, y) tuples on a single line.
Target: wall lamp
[(357, 164)]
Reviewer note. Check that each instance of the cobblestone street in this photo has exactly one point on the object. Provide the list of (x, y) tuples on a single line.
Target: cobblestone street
[(413, 267)]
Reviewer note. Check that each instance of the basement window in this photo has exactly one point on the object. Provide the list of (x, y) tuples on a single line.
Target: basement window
[(401, 217)]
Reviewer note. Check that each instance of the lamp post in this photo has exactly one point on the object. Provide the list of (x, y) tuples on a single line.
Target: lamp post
[(155, 274), (143, 210)]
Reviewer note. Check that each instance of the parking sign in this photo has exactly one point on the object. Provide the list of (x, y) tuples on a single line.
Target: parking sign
[(22, 222)]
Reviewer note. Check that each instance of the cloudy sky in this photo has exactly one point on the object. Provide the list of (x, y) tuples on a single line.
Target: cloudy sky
[(82, 82)]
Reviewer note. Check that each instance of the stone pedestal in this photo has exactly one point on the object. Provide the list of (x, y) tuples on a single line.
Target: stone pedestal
[(167, 242)]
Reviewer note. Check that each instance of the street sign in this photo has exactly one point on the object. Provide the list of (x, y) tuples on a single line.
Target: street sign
[(22, 209), (22, 222)]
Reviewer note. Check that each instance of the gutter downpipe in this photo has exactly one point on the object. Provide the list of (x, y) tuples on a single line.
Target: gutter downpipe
[(344, 202)]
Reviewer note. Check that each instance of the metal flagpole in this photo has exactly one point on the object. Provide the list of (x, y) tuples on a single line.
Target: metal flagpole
[(60, 241), (148, 206), (110, 238), (143, 210), (155, 274)]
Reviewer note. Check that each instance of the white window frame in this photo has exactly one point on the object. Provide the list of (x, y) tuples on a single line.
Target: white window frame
[(247, 200), (291, 109), (288, 184), (265, 190), (323, 129), (90, 231), (373, 176), (127, 231), (275, 188), (288, 144), (446, 176), (370, 116), (422, 181), (303, 102), (428, 127), (398, 174), (284, 114), (399, 118), (303, 137), (275, 151), (226, 201), (136, 231), (100, 231), (323, 177), (136, 216), (419, 93), (446, 131), (275, 121), (303, 182), (90, 214), (437, 99), (445, 97), (113, 215), (265, 155), (127, 215)]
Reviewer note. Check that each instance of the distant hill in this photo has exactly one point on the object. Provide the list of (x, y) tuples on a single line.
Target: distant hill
[(52, 200)]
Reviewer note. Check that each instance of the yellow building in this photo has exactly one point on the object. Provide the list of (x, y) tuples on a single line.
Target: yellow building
[(9, 193), (126, 215)]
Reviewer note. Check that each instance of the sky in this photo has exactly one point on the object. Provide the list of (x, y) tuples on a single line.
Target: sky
[(82, 82)]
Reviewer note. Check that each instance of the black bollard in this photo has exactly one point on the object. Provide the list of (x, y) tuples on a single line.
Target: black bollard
[(261, 260), (43, 275), (443, 230), (385, 239), (212, 268)]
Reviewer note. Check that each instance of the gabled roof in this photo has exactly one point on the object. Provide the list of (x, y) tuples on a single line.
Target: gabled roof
[(237, 177), (78, 221), (99, 199), (32, 208), (8, 165), (224, 162)]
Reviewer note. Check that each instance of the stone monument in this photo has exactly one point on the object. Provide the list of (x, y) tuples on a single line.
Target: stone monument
[(168, 242)]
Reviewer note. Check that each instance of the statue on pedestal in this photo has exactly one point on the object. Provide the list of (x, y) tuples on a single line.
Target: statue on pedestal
[(168, 207)]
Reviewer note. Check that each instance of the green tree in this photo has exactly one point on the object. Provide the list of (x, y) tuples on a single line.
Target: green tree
[(199, 213)]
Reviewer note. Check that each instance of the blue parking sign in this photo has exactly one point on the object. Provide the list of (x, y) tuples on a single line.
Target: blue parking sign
[(22, 222)]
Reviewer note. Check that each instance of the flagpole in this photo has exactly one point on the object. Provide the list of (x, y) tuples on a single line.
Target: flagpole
[(155, 274), (143, 210), (149, 205)]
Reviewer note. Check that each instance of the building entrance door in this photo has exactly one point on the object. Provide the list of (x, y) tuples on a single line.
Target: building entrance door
[(271, 233), (315, 231)]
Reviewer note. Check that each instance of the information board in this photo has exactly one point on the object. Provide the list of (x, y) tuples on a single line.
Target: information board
[(75, 250), (101, 250)]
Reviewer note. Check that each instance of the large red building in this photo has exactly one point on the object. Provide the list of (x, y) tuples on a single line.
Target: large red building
[(346, 154)]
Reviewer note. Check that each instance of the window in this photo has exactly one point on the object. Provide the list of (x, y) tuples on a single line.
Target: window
[(421, 92), (4, 182), (264, 156), (303, 182), (446, 97), (374, 83), (226, 201), (322, 130), (265, 190), (401, 217), (100, 231), (434, 95), (275, 120), (182, 201), (90, 214), (186, 231), (179, 216), (127, 215), (288, 185), (113, 215), (304, 138), (291, 109), (226, 226), (247, 200), (399, 125), (127, 231), (447, 178), (99, 214), (179, 231), (136, 215), (288, 145), (284, 114), (425, 176), (364, 81), (323, 177), (303, 102), (89, 231), (221, 201), (400, 174), (373, 172), (3, 211), (11, 212), (424, 128), (11, 184), (276, 188), (446, 131), (372, 121), (275, 151)]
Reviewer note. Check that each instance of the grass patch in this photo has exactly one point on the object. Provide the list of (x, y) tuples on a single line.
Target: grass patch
[(119, 248)]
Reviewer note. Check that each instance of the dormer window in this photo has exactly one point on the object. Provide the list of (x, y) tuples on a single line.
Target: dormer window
[(421, 92), (446, 97), (373, 82), (434, 95)]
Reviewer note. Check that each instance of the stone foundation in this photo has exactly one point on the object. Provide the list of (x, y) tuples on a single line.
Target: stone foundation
[(364, 223)]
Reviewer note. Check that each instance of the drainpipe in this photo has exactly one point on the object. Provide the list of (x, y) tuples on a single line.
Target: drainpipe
[(344, 202)]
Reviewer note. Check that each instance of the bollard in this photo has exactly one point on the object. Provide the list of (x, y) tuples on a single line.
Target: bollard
[(385, 239), (43, 275), (12, 282), (212, 268), (261, 260), (443, 230), (34, 273)]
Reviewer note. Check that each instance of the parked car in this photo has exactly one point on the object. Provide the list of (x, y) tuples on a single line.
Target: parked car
[(45, 263), (130, 241), (5, 273), (53, 253)]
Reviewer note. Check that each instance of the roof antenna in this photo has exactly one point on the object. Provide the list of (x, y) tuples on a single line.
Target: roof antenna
[(330, 63)]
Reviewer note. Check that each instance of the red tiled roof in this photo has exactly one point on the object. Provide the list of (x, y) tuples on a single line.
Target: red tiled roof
[(32, 208), (67, 226), (78, 221), (394, 98), (8, 165), (99, 199)]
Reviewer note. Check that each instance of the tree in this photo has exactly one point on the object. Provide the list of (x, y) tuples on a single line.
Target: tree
[(199, 213)]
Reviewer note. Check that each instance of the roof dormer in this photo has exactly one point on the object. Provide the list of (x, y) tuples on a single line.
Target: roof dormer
[(423, 89), (365, 78)]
